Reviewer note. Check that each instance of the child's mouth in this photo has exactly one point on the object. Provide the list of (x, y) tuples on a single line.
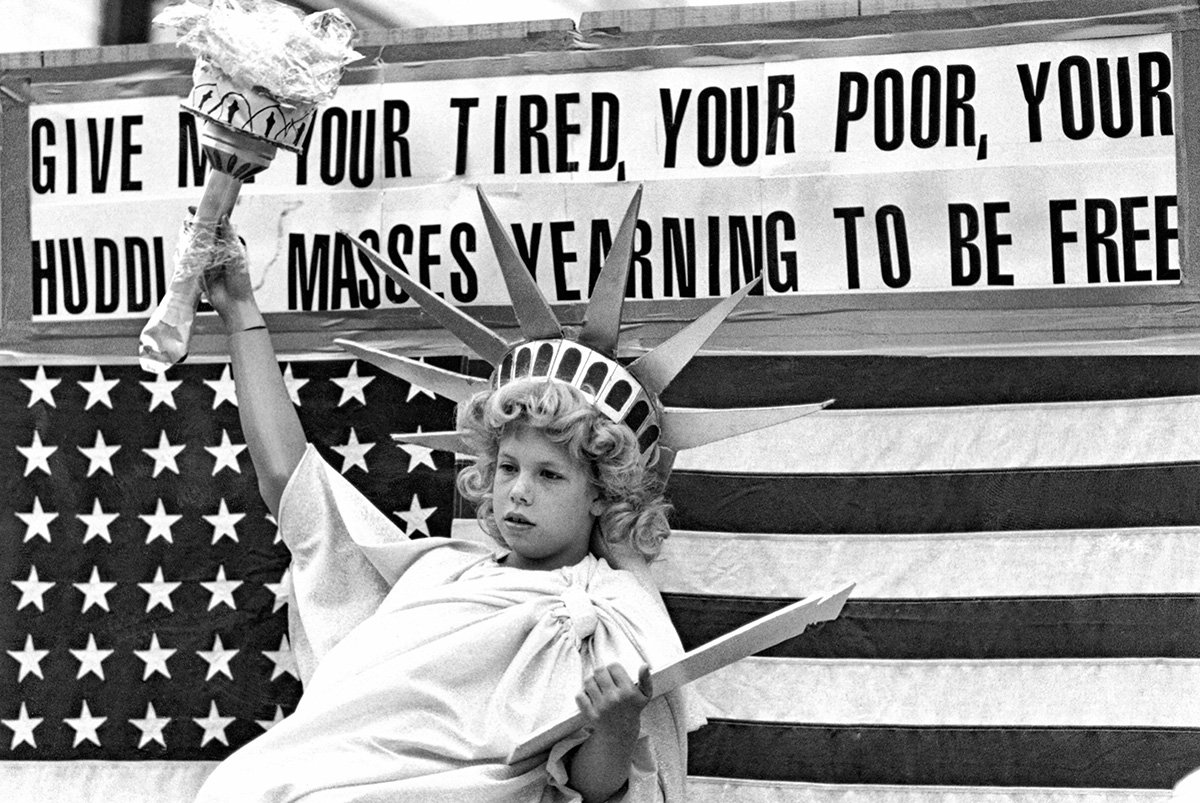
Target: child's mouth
[(517, 519)]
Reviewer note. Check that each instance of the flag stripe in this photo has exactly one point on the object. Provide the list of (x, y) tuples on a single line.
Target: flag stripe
[(144, 782), (863, 381), (1022, 535), (981, 564), (1049, 435), (1064, 627), (126, 781), (1143, 496), (1104, 758), (734, 790), (1094, 693)]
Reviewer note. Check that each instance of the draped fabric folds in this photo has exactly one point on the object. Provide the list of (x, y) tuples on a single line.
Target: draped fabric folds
[(425, 661)]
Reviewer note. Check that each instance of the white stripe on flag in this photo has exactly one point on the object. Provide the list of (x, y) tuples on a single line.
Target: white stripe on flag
[(963, 438), (1081, 693), (723, 790), (1151, 560), (145, 782), (126, 781)]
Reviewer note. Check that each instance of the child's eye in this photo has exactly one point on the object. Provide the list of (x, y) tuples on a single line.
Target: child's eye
[(506, 468), (551, 475)]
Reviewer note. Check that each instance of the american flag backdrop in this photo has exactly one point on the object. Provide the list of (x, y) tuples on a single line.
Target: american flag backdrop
[(1024, 533), (144, 583)]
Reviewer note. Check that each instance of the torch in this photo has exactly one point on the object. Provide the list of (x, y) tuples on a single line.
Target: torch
[(261, 71)]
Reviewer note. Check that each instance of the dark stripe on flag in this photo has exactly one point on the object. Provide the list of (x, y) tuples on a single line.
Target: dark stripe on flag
[(1064, 627), (1114, 758), (869, 382), (969, 501)]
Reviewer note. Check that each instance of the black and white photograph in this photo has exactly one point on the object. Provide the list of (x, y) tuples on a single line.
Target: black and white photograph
[(599, 401)]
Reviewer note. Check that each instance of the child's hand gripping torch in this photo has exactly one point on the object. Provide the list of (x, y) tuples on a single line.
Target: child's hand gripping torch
[(261, 70)]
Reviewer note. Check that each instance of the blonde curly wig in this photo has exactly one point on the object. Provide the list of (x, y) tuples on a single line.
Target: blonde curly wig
[(635, 511)]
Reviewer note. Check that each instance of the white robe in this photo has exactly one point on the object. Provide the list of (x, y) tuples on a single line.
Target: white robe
[(425, 661)]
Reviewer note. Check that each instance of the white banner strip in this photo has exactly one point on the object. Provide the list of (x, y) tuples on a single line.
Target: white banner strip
[(722, 790), (972, 170), (1152, 560), (1082, 693), (1044, 435)]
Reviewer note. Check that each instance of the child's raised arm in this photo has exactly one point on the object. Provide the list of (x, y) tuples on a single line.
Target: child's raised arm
[(269, 421)]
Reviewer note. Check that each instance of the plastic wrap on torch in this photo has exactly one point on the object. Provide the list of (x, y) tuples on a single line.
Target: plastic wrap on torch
[(261, 69)]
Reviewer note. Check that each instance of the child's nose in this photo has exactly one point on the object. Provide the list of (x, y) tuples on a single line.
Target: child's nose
[(521, 488)]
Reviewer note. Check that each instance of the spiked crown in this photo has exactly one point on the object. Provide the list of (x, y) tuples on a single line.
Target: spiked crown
[(625, 394)]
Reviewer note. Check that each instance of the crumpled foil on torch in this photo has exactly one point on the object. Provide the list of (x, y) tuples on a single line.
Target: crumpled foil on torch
[(268, 47)]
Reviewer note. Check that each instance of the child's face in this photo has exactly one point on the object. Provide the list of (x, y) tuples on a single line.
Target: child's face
[(543, 502)]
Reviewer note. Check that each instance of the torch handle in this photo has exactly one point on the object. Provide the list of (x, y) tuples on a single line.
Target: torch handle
[(220, 194)]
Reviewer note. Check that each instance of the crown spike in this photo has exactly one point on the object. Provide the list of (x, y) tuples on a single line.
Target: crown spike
[(446, 441), (483, 341), (687, 428), (448, 384), (602, 320), (533, 313), (657, 368)]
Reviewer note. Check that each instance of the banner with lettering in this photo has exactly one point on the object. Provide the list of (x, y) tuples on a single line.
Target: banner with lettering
[(1040, 165)]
